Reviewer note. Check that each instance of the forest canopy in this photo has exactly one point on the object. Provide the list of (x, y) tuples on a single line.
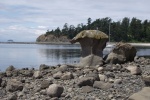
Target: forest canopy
[(125, 30)]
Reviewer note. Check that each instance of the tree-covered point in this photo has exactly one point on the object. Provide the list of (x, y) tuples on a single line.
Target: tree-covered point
[(126, 30)]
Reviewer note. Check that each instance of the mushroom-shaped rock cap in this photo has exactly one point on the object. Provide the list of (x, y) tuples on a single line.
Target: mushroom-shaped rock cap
[(95, 34)]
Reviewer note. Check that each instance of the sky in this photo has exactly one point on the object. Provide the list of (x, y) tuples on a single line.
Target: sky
[(25, 20)]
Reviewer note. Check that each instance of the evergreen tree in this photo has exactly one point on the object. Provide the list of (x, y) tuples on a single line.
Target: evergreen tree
[(124, 30)]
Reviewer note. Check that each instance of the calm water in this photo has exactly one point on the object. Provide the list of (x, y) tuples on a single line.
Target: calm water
[(33, 55)]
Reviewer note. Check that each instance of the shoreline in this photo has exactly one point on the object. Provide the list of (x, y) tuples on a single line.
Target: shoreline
[(111, 43), (76, 82)]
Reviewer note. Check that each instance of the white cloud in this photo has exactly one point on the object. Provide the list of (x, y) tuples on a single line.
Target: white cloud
[(34, 17)]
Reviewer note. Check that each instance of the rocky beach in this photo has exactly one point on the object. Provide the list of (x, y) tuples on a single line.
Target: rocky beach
[(71, 82), (120, 75)]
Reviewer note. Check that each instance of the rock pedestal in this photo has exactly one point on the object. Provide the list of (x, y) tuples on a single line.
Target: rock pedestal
[(92, 43)]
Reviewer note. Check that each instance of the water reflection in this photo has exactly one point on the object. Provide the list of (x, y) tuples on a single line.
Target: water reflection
[(61, 54), (32, 55), (143, 51)]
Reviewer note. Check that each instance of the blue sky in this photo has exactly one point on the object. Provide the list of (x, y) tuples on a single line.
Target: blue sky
[(25, 20)]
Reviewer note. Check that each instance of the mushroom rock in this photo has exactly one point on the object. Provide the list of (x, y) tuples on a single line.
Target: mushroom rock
[(121, 53), (92, 44)]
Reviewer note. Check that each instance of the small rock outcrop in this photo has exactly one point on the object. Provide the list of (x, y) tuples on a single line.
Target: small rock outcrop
[(51, 38), (121, 53), (92, 43)]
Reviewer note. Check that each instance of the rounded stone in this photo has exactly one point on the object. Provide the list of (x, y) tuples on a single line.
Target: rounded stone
[(55, 90)]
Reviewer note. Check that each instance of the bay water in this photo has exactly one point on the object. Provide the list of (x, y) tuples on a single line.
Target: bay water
[(33, 55)]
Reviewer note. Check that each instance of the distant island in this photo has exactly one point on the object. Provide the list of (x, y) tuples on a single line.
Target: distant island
[(10, 40), (125, 30)]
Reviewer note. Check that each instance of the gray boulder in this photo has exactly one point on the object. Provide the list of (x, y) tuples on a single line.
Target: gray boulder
[(91, 60), (67, 76), (121, 53), (37, 74), (10, 68), (57, 75), (102, 85), (14, 85), (85, 81), (135, 70), (55, 90), (43, 67), (87, 89)]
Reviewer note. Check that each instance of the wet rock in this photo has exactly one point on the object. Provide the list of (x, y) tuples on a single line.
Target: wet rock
[(135, 70), (85, 81), (67, 76), (10, 68), (102, 85), (14, 85), (55, 90), (144, 94)]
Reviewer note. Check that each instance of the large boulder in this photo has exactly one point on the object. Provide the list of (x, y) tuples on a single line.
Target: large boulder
[(121, 53)]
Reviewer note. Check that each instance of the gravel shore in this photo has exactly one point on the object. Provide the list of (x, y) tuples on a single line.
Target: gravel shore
[(71, 82)]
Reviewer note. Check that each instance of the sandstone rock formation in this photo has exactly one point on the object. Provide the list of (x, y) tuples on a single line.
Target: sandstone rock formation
[(122, 52), (92, 43)]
